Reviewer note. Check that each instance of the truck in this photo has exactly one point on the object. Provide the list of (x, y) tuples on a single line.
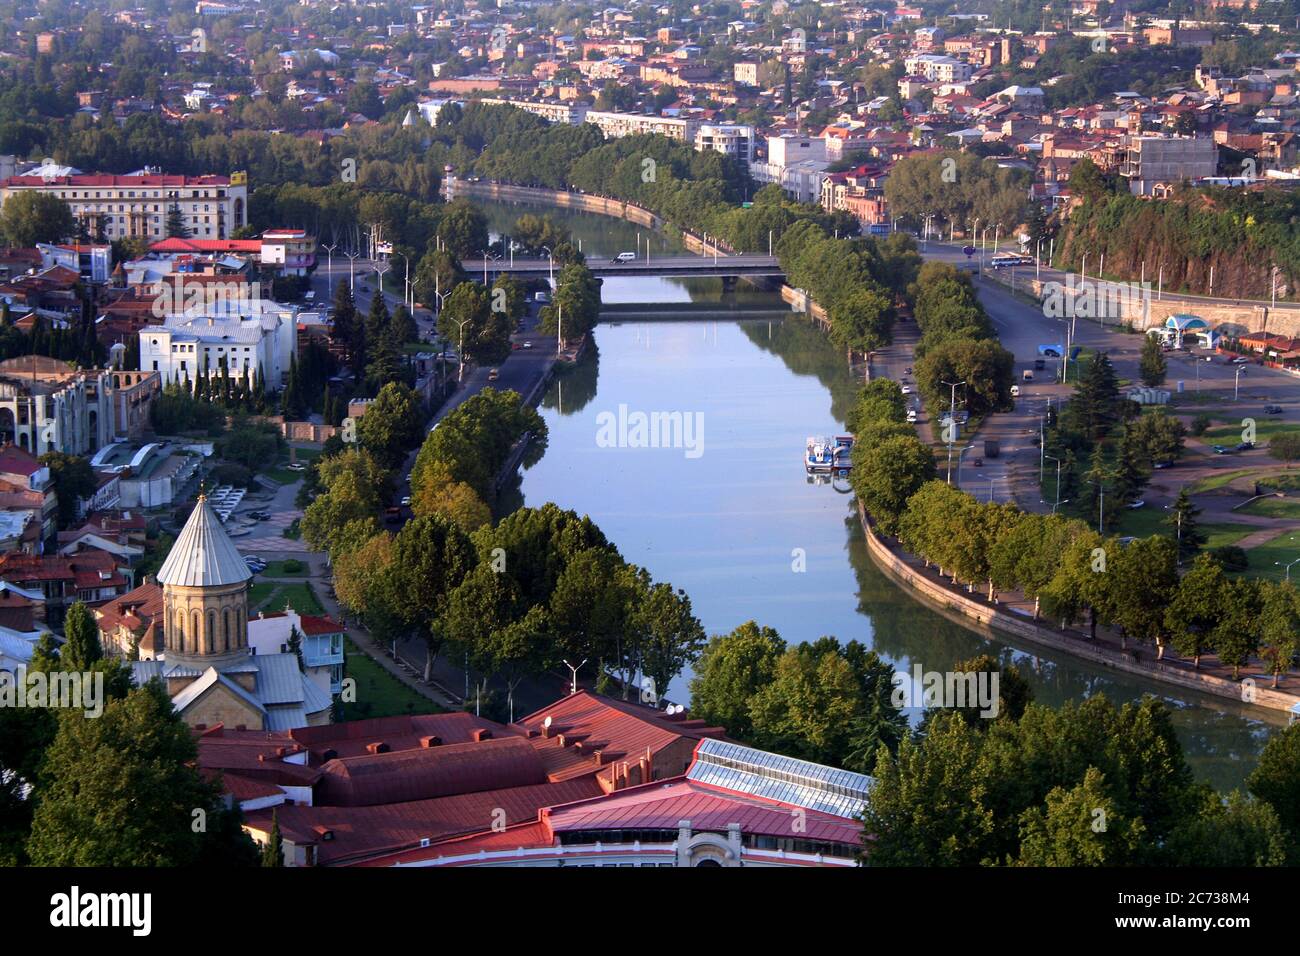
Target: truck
[(1027, 376), (991, 448)]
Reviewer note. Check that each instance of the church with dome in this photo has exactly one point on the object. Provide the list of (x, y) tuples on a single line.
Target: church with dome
[(211, 673)]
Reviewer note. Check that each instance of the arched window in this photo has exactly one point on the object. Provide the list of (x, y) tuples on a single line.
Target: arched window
[(225, 624), (239, 626), (178, 639), (212, 633), (196, 631)]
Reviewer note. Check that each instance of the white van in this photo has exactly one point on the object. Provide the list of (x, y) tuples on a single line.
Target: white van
[(625, 257), (1015, 391)]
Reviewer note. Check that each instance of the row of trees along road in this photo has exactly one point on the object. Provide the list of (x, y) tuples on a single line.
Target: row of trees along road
[(1060, 562)]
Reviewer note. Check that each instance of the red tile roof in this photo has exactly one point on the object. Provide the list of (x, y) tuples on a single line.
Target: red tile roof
[(400, 733)]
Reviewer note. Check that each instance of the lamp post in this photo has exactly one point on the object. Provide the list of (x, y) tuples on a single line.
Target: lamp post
[(460, 350), (573, 687), (406, 289), (329, 269), (551, 259), (952, 424), (1236, 381), (352, 258), (1288, 568), (1058, 482)]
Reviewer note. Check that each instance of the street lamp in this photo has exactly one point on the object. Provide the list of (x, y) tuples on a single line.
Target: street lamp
[(1058, 482), (352, 258), (1288, 568), (550, 258), (1236, 380), (460, 349), (573, 687), (329, 268), (406, 291)]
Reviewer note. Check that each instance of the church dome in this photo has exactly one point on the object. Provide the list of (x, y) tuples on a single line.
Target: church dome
[(203, 555)]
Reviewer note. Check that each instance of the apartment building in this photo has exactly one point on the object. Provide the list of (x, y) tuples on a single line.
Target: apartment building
[(570, 114), (137, 206), (730, 139), (938, 69), (1154, 164), (616, 125), (247, 337)]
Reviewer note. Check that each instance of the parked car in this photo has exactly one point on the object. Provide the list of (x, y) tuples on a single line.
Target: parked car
[(1040, 364), (1015, 391), (493, 375), (296, 466), (541, 297), (1162, 464), (1135, 505), (1222, 450), (911, 416), (979, 462), (1245, 446), (907, 389), (406, 501), (1240, 361), (528, 345), (1272, 409)]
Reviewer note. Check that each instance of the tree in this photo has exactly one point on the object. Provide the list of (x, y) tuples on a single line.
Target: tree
[(88, 815), (74, 481), (273, 849), (1152, 365), (175, 225), (862, 321), (392, 425), (1276, 780), (463, 230), (668, 636), (504, 636), (1284, 447), (1182, 520), (1095, 405), (1197, 608), (1279, 626), (81, 647), (1236, 635), (887, 475), (1235, 832), (731, 670), (29, 217), (344, 318), (430, 559), (1065, 832)]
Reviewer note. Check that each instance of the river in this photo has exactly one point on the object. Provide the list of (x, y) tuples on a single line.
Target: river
[(730, 516)]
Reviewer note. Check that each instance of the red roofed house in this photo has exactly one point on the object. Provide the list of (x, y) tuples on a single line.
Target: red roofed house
[(133, 623), (321, 647)]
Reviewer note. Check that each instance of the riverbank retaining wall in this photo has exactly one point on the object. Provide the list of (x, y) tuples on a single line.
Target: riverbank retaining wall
[(1147, 311), (968, 610)]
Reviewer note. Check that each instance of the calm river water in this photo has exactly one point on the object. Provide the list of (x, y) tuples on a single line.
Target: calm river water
[(732, 518)]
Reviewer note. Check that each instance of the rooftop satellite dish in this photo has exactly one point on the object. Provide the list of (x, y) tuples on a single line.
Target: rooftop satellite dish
[(547, 723)]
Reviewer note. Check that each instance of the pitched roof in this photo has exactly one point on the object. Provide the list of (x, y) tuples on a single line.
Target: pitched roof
[(203, 555)]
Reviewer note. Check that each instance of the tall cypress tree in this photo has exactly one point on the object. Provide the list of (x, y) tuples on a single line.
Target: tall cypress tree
[(81, 648)]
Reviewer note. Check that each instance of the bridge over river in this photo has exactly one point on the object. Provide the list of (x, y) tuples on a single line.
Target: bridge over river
[(683, 266)]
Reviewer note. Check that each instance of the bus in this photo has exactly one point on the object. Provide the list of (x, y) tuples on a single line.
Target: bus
[(1003, 259)]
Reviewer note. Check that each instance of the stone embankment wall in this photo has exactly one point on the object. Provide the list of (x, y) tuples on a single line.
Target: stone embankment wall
[(1146, 312)]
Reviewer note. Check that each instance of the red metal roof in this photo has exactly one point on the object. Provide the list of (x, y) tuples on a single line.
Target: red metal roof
[(359, 833), (388, 778), (400, 733), (104, 179), (615, 725)]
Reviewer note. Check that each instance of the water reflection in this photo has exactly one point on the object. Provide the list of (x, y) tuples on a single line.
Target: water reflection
[(725, 526)]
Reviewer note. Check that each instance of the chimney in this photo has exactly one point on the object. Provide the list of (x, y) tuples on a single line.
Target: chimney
[(560, 739), (427, 742), (378, 747), (598, 756), (482, 734)]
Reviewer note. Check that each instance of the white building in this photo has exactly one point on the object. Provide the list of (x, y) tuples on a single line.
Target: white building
[(322, 643), (795, 163), (616, 125), (47, 405), (246, 337), (938, 68), (571, 114), (730, 139), (136, 206)]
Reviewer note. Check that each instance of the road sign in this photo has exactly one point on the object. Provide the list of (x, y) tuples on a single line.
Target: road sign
[(969, 250)]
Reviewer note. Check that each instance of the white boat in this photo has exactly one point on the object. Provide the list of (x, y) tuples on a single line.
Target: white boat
[(828, 455)]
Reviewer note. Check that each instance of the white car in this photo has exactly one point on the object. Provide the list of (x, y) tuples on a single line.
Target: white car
[(911, 416), (406, 501), (1015, 391), (907, 389)]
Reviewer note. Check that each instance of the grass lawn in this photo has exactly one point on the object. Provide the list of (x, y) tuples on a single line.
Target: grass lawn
[(1264, 429), (1269, 560), (281, 472), (1148, 521), (1288, 508), (379, 693), (276, 569), (1219, 480), (273, 595)]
